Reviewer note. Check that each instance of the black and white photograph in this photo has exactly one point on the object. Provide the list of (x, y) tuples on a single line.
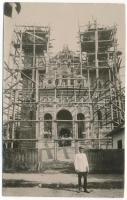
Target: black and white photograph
[(63, 100)]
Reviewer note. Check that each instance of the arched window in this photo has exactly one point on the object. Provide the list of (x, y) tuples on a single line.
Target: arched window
[(48, 125), (81, 125)]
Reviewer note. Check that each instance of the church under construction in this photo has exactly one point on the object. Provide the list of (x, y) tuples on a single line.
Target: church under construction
[(51, 103)]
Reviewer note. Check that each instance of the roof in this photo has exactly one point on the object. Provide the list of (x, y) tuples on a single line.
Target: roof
[(116, 131)]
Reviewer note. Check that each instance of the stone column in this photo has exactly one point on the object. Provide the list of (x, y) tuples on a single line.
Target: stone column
[(54, 129), (54, 124), (41, 125), (75, 129), (69, 82), (87, 124)]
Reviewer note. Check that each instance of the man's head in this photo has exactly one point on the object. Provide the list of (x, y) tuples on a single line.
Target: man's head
[(81, 149)]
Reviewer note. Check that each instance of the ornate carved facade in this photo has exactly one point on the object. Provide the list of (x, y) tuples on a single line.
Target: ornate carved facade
[(75, 96)]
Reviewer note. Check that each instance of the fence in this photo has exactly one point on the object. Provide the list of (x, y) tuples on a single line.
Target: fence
[(100, 160), (106, 161)]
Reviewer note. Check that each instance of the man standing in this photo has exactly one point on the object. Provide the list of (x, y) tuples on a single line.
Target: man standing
[(82, 168)]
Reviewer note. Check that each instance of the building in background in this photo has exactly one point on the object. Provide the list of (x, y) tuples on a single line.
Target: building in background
[(118, 137), (67, 100)]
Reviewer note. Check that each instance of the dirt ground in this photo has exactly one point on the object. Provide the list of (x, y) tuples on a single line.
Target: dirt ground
[(65, 192)]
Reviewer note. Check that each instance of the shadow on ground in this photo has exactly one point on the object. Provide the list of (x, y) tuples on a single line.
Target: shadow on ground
[(94, 185)]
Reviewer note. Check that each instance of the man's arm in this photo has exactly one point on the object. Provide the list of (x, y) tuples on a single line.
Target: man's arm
[(87, 165), (76, 163)]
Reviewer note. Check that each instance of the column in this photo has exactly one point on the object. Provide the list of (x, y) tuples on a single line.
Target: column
[(41, 121), (68, 82), (87, 118), (75, 126), (54, 125)]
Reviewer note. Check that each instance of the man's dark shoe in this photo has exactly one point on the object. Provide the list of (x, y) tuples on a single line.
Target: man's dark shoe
[(86, 191), (79, 190)]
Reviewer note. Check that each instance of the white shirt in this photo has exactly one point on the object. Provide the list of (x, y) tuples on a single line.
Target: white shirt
[(81, 163)]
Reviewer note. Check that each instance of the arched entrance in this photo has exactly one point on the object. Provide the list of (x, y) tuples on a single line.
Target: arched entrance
[(64, 125)]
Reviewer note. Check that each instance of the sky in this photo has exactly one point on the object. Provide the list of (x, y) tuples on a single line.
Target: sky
[(64, 20)]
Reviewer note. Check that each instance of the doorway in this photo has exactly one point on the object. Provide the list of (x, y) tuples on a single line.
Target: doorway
[(64, 127)]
